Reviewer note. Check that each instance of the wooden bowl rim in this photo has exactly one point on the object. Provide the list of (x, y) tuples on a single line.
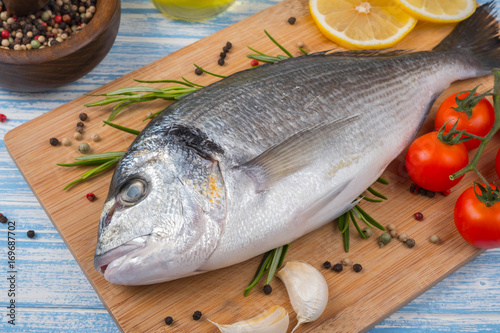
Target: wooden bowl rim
[(105, 9)]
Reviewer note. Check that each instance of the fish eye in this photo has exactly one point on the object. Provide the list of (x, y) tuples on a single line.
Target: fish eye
[(133, 192)]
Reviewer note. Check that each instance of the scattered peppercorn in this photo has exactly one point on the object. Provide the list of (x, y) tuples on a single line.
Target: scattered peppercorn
[(413, 188), (422, 191), (83, 116), (79, 129), (229, 45), (267, 289), (198, 71), (393, 233), (301, 44), (169, 320), (337, 268), (346, 261), (221, 62), (90, 196), (431, 194), (418, 216), (78, 136), (327, 265), (434, 239), (96, 137), (357, 268), (391, 227), (254, 63), (84, 148), (80, 124), (225, 49), (31, 233), (410, 242), (384, 239), (367, 232), (197, 315), (65, 142), (3, 118), (54, 141), (403, 237), (292, 20), (3, 218)]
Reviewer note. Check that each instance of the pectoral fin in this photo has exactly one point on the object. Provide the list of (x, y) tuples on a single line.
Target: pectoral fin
[(291, 155)]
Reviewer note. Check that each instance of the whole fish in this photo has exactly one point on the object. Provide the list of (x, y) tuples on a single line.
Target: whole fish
[(266, 155)]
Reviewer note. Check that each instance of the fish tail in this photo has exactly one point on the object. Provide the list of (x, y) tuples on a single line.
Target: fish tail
[(478, 38)]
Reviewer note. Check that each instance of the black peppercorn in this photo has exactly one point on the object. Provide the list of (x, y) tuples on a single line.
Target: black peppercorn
[(3, 218), (222, 55), (197, 315), (79, 129), (80, 124), (410, 243), (327, 265), (422, 191), (169, 320), (30, 233), (431, 194), (83, 116), (413, 188), (198, 71), (418, 216), (221, 62), (229, 45), (292, 20), (268, 289), (337, 268), (357, 268), (54, 141)]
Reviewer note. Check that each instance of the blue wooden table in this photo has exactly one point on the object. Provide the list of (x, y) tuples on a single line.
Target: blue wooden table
[(51, 292)]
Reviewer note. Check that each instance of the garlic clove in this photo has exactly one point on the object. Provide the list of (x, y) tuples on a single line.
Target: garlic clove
[(274, 320), (307, 289)]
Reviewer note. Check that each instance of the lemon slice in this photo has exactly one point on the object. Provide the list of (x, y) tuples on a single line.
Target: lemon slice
[(362, 24), (439, 10)]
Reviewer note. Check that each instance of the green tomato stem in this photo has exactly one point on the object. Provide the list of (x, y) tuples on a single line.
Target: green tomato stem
[(496, 126)]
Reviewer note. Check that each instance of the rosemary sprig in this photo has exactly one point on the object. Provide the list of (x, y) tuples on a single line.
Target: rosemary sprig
[(122, 128), (104, 160), (358, 213), (271, 261), (259, 56)]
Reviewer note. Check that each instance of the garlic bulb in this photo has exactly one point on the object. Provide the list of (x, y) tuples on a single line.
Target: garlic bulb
[(307, 290), (274, 320)]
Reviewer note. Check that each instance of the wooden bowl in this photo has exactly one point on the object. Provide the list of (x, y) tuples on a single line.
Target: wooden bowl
[(54, 66)]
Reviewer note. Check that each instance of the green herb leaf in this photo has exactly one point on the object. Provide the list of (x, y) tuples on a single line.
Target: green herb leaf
[(122, 128)]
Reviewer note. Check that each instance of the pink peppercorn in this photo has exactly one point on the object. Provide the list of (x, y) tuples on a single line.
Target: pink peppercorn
[(254, 63), (446, 193), (3, 118), (66, 18), (5, 34), (418, 216), (58, 19), (90, 196)]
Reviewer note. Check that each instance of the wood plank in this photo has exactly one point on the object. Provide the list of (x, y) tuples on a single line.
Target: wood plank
[(219, 294)]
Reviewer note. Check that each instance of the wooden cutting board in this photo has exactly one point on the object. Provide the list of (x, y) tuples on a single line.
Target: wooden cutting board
[(391, 276)]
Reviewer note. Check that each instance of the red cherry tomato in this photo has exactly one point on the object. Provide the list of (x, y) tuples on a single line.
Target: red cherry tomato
[(478, 224), (480, 123), (430, 162)]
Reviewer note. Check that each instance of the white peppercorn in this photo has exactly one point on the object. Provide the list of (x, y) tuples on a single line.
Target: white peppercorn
[(84, 148), (434, 239), (96, 137), (78, 136)]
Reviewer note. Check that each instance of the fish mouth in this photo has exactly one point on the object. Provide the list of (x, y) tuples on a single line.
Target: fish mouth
[(118, 254)]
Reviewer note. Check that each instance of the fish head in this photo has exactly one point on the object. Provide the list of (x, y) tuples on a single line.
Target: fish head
[(163, 217)]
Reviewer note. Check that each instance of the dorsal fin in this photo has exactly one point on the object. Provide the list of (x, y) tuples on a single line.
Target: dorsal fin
[(291, 155)]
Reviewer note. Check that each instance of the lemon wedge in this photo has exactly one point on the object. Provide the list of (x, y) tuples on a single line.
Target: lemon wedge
[(441, 11), (362, 24)]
